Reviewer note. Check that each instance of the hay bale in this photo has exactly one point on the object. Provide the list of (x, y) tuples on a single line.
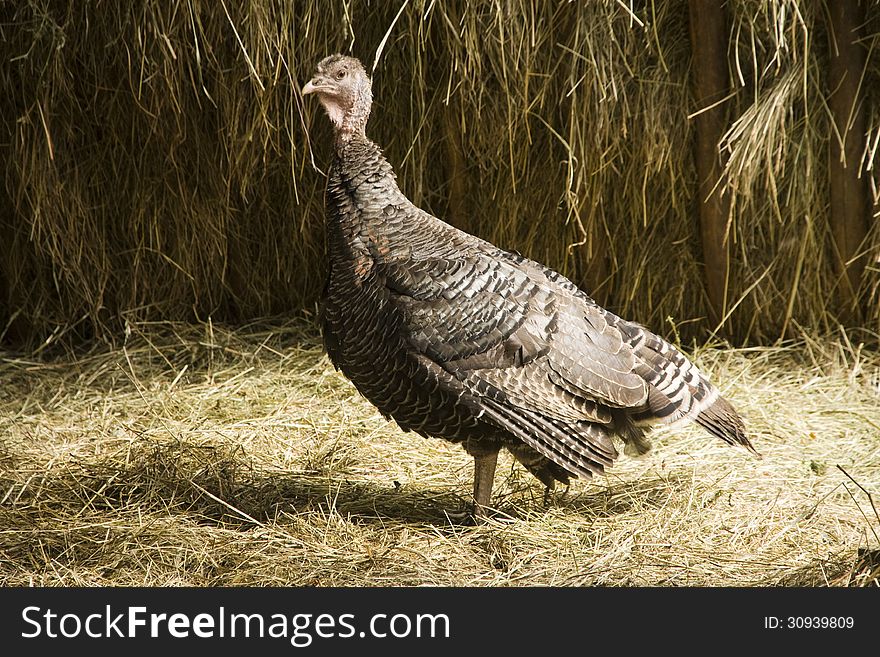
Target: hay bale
[(159, 161)]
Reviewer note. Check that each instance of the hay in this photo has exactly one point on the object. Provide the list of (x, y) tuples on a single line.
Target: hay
[(160, 163), (206, 456)]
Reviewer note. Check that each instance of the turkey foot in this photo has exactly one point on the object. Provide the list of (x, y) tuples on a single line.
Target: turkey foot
[(484, 478)]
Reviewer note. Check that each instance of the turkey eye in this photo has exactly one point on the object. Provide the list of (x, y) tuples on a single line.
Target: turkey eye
[(340, 75)]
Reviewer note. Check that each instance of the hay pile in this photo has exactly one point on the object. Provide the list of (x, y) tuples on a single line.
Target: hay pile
[(204, 456), (159, 162)]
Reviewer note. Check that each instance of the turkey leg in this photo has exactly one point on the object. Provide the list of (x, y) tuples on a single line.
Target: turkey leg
[(484, 478)]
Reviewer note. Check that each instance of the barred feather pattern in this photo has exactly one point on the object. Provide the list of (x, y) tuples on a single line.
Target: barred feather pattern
[(455, 338)]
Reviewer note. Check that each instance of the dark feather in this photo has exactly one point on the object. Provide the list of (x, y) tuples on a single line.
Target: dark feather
[(456, 338)]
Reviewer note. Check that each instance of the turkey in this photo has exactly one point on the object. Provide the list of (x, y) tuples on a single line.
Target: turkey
[(455, 338)]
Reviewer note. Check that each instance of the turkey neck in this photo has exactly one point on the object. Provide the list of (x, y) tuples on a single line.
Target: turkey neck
[(364, 203)]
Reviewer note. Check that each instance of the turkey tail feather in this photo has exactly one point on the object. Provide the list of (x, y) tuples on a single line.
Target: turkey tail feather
[(721, 419)]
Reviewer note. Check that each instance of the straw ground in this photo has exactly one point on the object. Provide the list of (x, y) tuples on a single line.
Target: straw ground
[(210, 456)]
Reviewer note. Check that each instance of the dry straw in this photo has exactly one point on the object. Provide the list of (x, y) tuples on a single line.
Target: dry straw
[(204, 456), (160, 163)]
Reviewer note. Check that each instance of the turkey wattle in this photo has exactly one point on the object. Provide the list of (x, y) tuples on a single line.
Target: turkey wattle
[(455, 338)]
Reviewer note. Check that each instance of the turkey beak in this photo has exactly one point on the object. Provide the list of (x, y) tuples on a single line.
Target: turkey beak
[(314, 85)]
